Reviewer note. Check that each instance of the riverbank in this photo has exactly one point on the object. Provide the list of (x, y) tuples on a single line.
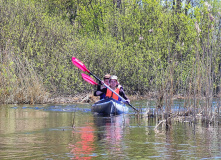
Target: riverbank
[(67, 99), (202, 113), (89, 98)]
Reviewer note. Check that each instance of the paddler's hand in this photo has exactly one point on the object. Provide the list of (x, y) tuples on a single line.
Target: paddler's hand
[(98, 93), (102, 83), (127, 101)]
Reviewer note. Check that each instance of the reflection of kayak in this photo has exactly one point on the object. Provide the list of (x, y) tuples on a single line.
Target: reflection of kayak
[(111, 129), (109, 106)]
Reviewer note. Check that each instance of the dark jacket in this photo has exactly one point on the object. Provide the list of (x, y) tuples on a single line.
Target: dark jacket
[(121, 93), (103, 95)]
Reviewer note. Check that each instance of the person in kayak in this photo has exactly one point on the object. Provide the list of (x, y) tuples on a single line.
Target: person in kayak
[(114, 85), (100, 87)]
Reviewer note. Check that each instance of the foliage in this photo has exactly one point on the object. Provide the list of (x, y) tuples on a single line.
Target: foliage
[(151, 46)]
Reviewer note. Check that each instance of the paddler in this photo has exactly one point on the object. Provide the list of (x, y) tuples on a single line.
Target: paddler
[(100, 87), (114, 85)]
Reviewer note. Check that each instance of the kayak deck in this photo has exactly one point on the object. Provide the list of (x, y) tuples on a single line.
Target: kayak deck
[(109, 106)]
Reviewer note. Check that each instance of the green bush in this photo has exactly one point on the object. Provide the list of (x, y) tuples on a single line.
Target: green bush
[(151, 47)]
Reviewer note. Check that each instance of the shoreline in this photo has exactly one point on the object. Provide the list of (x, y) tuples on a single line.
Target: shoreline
[(164, 118), (90, 98), (188, 115)]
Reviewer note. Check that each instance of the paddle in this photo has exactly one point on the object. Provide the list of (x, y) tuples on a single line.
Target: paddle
[(91, 81), (88, 79), (82, 67)]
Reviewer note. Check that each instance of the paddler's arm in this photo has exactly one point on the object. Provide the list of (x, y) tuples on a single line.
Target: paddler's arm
[(99, 86), (98, 93)]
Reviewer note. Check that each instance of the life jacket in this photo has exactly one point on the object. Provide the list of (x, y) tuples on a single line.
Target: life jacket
[(111, 94)]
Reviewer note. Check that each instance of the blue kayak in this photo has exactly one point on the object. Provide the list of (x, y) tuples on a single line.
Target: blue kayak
[(109, 106)]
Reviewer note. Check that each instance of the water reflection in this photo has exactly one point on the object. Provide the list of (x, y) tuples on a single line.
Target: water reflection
[(32, 134), (111, 128), (103, 136), (84, 146), (111, 132), (45, 132), (185, 141)]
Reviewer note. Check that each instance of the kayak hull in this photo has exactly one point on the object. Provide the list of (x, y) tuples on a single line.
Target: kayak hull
[(109, 106)]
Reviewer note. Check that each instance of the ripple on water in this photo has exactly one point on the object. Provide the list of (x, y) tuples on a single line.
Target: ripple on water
[(70, 108), (58, 108)]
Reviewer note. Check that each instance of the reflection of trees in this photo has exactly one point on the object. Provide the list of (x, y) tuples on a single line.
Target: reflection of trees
[(26, 131), (187, 140), (21, 120)]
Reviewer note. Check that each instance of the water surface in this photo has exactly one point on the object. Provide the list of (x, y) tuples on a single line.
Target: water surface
[(73, 132)]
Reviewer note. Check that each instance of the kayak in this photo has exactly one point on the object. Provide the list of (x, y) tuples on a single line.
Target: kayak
[(109, 106)]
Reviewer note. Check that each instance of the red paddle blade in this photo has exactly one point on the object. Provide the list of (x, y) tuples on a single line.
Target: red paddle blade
[(79, 64), (88, 79)]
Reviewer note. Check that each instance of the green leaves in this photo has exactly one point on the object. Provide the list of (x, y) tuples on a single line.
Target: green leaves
[(144, 45)]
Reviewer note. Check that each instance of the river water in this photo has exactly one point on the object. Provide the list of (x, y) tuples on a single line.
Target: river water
[(73, 132)]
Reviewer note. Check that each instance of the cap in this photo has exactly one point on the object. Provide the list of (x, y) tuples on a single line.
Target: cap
[(114, 77)]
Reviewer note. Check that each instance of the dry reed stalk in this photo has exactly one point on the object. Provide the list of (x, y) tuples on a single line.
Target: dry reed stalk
[(19, 82)]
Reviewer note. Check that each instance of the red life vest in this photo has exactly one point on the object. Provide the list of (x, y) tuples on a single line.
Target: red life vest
[(111, 94)]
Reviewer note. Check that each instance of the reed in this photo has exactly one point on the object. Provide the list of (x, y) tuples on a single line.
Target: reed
[(19, 82)]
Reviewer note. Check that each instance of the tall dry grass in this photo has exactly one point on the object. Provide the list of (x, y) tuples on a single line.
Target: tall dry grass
[(19, 82)]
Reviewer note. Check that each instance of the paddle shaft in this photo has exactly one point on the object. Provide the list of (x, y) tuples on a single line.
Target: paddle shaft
[(113, 91)]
